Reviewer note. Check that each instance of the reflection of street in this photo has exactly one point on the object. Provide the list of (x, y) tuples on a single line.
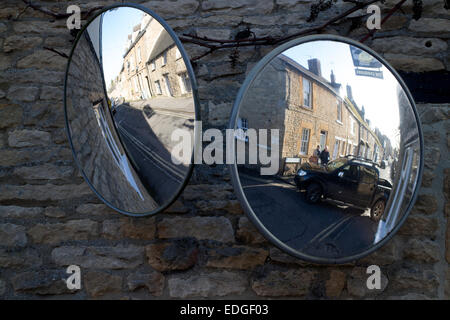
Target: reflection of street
[(386, 173), (148, 144), (322, 230)]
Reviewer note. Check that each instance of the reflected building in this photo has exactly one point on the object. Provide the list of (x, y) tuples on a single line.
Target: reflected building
[(152, 65), (309, 111)]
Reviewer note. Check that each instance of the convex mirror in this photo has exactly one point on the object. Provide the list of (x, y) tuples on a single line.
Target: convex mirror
[(129, 87), (329, 151)]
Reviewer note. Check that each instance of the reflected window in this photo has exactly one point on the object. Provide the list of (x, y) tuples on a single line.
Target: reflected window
[(339, 112), (368, 175), (168, 87), (305, 141), (336, 148), (242, 124), (307, 93), (185, 84), (164, 59), (336, 164), (177, 54), (323, 139), (139, 55), (352, 126), (153, 66), (158, 87), (350, 172)]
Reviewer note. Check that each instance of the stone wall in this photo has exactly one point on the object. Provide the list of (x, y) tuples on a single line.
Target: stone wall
[(98, 155), (203, 246)]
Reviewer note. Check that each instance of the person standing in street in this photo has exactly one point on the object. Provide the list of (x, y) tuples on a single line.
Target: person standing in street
[(324, 156), (315, 157)]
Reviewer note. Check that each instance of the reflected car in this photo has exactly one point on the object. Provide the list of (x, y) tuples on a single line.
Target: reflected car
[(148, 111), (349, 180)]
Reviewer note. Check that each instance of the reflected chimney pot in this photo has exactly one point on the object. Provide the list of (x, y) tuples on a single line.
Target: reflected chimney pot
[(314, 67)]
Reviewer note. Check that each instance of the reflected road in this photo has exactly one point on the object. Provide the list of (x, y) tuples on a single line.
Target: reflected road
[(147, 140), (322, 230)]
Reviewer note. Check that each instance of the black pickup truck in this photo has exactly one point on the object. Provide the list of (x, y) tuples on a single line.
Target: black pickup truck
[(349, 180)]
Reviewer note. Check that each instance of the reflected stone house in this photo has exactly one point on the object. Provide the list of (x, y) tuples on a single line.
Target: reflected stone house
[(152, 65), (309, 112)]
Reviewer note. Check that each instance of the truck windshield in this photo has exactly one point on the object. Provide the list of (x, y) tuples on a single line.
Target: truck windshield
[(336, 164)]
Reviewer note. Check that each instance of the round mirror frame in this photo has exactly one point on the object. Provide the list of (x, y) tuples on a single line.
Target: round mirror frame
[(192, 78), (259, 67)]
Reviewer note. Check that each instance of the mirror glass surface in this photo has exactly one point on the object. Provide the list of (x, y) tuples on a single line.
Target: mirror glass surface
[(128, 88), (338, 150)]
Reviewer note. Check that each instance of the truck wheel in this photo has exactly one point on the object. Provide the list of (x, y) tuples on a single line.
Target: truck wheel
[(377, 210), (313, 193)]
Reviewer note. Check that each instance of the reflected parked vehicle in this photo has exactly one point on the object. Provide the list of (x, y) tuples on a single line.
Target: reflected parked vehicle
[(350, 180)]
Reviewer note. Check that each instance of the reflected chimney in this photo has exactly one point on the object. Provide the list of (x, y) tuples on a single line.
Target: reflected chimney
[(332, 78), (314, 67), (349, 92)]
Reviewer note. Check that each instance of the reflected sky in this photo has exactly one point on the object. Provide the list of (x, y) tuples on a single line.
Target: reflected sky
[(378, 96), (117, 25)]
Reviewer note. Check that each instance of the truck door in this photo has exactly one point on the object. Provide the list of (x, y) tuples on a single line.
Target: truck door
[(367, 185), (345, 183)]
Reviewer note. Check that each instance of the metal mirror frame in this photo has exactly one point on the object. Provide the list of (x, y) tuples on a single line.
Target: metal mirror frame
[(193, 80), (257, 69)]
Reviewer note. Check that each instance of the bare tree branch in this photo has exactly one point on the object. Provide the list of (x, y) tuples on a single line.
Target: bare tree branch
[(217, 44), (58, 15), (62, 54)]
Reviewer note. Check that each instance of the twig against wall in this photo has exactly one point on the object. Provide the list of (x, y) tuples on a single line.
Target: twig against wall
[(218, 44), (58, 15), (249, 38), (59, 53)]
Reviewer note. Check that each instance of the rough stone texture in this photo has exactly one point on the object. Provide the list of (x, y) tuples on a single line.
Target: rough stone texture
[(410, 45), (336, 283), (422, 250), (60, 232), (20, 43), (19, 212), (414, 64), (179, 255), (281, 284), (203, 244), (12, 235), (28, 138), (247, 233), (216, 284), (357, 284), (25, 94), (120, 257), (44, 172), (20, 259), (99, 283), (154, 282), (43, 192), (48, 282), (10, 115), (244, 258), (2, 287), (213, 228), (430, 25)]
